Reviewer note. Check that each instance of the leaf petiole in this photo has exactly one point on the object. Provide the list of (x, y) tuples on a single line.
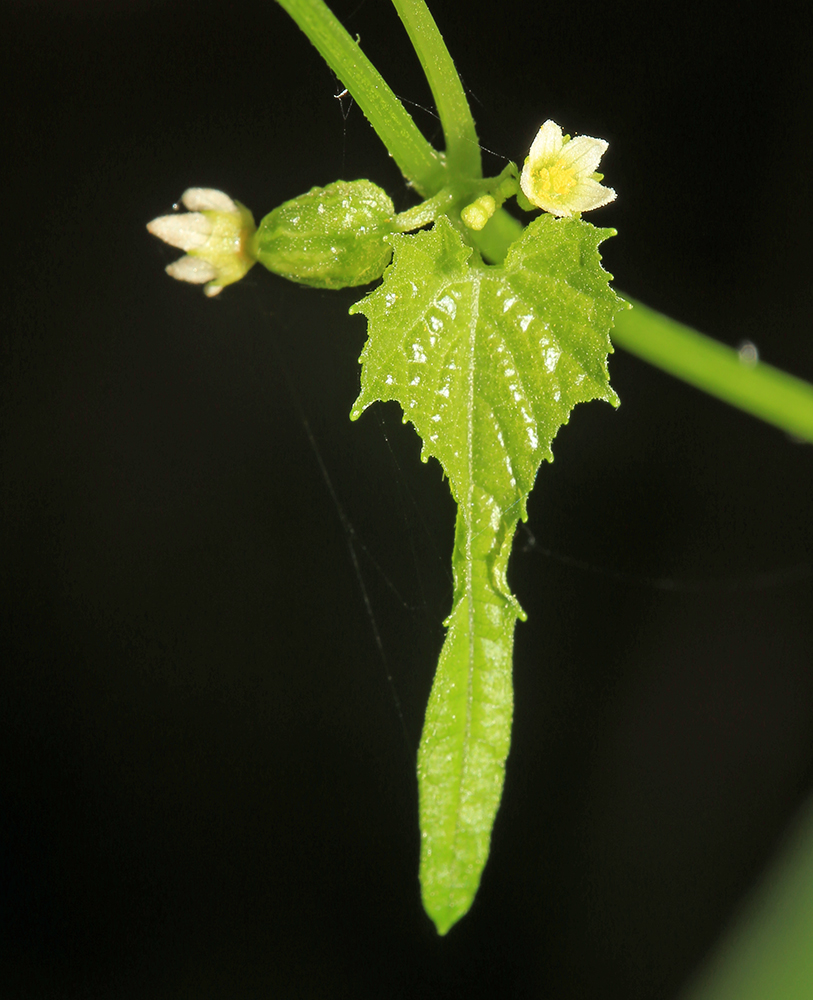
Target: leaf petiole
[(456, 195), (421, 215)]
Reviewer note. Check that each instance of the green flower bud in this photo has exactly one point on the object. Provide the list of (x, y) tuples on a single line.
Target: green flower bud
[(476, 215), (331, 237)]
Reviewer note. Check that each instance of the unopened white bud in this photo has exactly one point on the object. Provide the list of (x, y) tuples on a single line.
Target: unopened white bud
[(207, 199), (476, 215), (186, 231), (192, 269), (215, 234)]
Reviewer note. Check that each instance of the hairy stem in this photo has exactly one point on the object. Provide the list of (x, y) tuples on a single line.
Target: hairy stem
[(462, 147)]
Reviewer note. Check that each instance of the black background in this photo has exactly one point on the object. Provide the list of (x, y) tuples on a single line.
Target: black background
[(207, 787)]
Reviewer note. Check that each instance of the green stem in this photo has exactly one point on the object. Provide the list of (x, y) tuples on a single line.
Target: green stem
[(417, 159), (765, 392), (426, 212), (444, 202), (462, 146), (766, 952), (761, 390)]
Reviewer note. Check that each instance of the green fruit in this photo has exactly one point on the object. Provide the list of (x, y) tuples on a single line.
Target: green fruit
[(331, 237)]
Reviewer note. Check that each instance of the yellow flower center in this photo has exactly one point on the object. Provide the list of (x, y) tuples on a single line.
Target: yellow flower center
[(555, 181)]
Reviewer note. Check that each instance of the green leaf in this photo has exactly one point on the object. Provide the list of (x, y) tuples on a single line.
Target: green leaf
[(331, 237), (487, 363)]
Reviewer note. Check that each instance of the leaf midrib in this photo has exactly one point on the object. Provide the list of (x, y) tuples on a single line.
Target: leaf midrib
[(468, 587)]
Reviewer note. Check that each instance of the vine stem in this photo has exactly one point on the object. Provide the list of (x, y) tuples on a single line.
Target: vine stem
[(421, 164), (462, 146), (426, 212), (764, 391), (759, 389)]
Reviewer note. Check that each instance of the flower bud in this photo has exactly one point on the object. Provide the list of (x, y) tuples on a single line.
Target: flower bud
[(476, 215), (215, 235)]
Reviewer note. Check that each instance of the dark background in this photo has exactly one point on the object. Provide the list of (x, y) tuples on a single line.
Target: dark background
[(208, 787)]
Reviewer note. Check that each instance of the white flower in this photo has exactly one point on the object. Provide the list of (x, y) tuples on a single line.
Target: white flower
[(559, 173), (215, 234)]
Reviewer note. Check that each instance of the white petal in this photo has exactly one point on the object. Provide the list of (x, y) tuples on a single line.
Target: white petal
[(583, 153), (554, 207), (589, 194), (525, 181), (186, 231), (207, 199), (192, 269), (212, 290), (547, 143)]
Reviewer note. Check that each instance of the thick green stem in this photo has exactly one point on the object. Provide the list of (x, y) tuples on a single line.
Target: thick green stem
[(766, 392), (462, 146), (421, 164)]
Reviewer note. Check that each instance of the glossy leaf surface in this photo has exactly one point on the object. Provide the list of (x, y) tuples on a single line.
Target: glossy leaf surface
[(487, 363)]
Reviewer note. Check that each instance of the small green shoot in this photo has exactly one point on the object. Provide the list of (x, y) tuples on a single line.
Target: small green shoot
[(487, 334)]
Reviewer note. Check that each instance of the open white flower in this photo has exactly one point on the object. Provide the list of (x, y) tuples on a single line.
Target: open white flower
[(559, 174), (215, 234)]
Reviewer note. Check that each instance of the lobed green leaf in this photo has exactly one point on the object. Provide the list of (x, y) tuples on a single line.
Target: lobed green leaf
[(487, 363)]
